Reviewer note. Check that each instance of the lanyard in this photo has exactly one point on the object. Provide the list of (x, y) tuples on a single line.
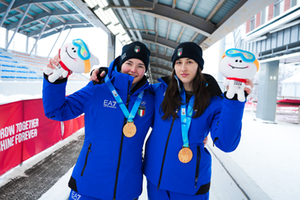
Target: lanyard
[(135, 107), (186, 119)]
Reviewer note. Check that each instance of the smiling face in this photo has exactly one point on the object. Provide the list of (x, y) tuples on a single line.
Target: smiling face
[(70, 57), (237, 68), (134, 67)]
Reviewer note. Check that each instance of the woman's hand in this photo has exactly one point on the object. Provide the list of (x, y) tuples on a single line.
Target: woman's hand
[(54, 62), (51, 66), (55, 71), (94, 75), (249, 86)]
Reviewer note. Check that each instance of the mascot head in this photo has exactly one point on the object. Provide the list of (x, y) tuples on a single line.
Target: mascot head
[(238, 63), (77, 57)]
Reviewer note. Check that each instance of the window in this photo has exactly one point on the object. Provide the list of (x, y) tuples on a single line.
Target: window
[(294, 2), (263, 17), (252, 23), (278, 7)]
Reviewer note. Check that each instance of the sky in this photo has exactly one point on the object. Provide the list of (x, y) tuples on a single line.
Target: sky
[(97, 41), (95, 38)]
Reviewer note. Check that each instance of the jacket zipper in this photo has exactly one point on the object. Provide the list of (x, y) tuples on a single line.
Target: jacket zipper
[(86, 158), (166, 147), (197, 166), (121, 145)]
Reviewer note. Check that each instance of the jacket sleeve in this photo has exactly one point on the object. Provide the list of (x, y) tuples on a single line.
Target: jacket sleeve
[(59, 107), (227, 124)]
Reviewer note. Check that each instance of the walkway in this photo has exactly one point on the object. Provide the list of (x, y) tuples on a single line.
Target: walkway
[(253, 171)]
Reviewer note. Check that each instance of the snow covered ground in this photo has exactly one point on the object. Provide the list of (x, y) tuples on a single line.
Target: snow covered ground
[(17, 97), (268, 155)]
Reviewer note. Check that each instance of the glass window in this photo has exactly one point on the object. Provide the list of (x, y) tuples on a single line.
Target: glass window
[(263, 17), (278, 7), (294, 2), (252, 23)]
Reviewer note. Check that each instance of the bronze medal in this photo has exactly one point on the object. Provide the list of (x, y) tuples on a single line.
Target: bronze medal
[(129, 129), (185, 155)]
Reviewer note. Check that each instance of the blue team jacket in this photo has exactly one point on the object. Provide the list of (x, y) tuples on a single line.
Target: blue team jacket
[(222, 118), (110, 164)]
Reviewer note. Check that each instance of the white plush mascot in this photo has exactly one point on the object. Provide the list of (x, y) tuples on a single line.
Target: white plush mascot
[(236, 66), (75, 57)]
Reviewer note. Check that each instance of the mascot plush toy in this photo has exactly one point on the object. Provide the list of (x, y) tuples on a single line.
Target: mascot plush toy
[(75, 57), (236, 66)]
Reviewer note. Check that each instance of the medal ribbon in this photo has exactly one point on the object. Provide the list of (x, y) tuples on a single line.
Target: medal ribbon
[(186, 119), (135, 107)]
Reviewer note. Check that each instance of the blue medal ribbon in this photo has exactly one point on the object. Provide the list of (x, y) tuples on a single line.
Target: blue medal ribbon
[(135, 107), (186, 118)]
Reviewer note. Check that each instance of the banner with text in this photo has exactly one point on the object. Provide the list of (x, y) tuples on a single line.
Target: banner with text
[(10, 150), (39, 132), (25, 131)]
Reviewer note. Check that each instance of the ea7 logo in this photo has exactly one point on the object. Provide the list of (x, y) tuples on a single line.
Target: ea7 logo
[(75, 196), (109, 104)]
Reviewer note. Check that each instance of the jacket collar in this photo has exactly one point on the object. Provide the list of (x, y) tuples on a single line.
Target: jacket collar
[(167, 79), (122, 82)]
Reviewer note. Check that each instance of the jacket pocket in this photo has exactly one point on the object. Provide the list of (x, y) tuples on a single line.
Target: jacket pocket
[(197, 165), (86, 158)]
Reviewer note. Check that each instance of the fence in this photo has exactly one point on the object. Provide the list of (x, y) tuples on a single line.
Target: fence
[(25, 131)]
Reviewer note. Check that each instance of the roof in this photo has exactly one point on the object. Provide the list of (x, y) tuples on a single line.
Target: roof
[(160, 24), (34, 14)]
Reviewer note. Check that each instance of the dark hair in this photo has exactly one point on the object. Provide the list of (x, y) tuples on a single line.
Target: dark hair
[(172, 99)]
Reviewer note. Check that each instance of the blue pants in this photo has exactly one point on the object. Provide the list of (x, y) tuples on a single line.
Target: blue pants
[(75, 196), (154, 194)]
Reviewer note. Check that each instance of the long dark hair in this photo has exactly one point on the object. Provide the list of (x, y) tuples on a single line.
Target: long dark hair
[(172, 99)]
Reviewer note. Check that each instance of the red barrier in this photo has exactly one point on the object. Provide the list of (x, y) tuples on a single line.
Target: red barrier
[(42, 132), (71, 126), (80, 121), (25, 131), (10, 153), (68, 128), (288, 103)]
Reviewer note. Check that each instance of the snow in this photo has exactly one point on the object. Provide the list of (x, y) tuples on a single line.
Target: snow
[(20, 169), (294, 79), (269, 153), (266, 163), (17, 97)]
